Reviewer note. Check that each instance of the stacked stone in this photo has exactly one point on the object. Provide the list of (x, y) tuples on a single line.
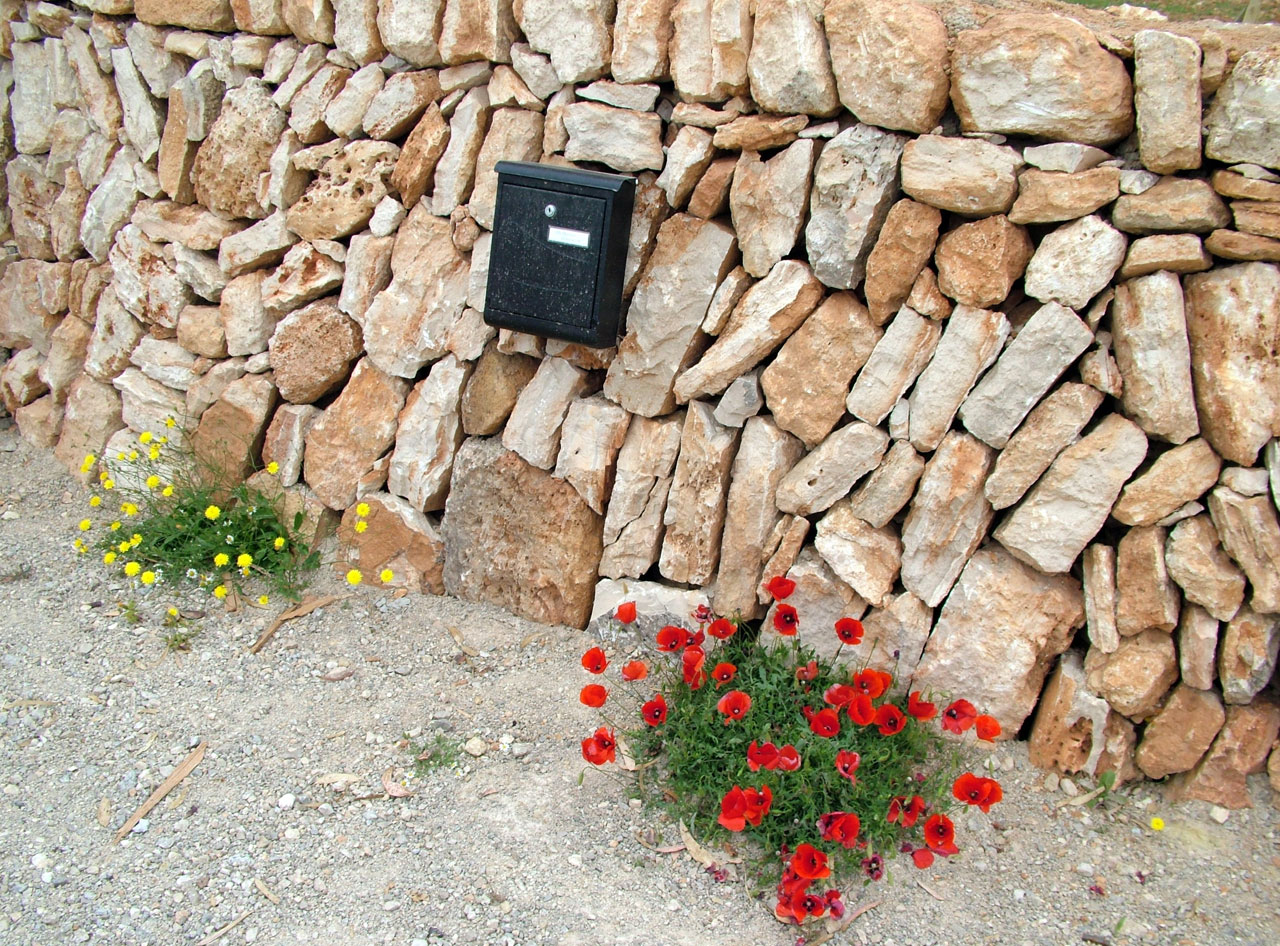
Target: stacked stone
[(971, 330)]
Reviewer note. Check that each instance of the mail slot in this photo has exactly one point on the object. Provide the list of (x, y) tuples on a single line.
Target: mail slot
[(559, 251)]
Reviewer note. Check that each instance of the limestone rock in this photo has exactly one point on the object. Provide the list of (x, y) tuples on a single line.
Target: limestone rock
[(312, 351), (641, 34), (400, 102), (31, 199), (593, 431), (343, 195), (789, 67), (1075, 262), (246, 324), (478, 29), (191, 225), (822, 599), (115, 334), (709, 46), (769, 312), (355, 30), (1047, 344), (1180, 734), (166, 362), (1065, 510), (366, 273), (285, 440), (33, 296), (20, 381), (344, 114), (1233, 184), (898, 358), (145, 284), (306, 274), (1099, 571), (228, 441), (890, 62), (1175, 205), (398, 537), (1177, 477), (1040, 75), (1076, 731), (1049, 196), (418, 158), (826, 475), (1197, 646), (101, 101), (491, 393), (1251, 536), (972, 340), (533, 431), (90, 417), (143, 117), (633, 525), (1166, 96), (40, 422), (623, 139), (32, 107), (695, 510), (1175, 252), (1136, 677), (765, 456), (903, 248), (889, 487), (759, 132), (741, 400), (429, 434), (786, 543), (356, 429), (687, 159), (455, 169), (1242, 124), (1001, 672), (767, 200), (866, 558), (410, 29), (854, 185), (1247, 655), (515, 134), (1240, 749), (193, 14), (518, 538), (238, 152), (663, 337), (535, 71), (1145, 597), (979, 262), (808, 381), (1256, 217), (264, 17), (648, 211), (574, 33), (967, 176), (1231, 312)]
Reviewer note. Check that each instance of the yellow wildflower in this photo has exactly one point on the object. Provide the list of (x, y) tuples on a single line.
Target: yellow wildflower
[(273, 468), (362, 509), (85, 525), (133, 455), (135, 540), (212, 513), (170, 422), (1157, 823), (263, 599), (144, 437), (154, 452), (115, 526), (79, 545), (386, 575), (102, 475), (172, 612), (129, 509), (120, 456), (89, 461), (108, 483), (244, 560), (162, 439), (132, 568), (279, 542), (108, 558), (148, 578), (124, 546), (220, 592), (221, 559), (361, 526), (153, 481), (95, 501), (354, 577)]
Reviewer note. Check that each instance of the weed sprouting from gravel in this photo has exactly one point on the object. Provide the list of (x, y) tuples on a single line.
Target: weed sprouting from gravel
[(438, 752)]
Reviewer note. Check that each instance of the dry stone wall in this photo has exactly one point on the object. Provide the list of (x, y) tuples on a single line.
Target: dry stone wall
[(964, 317)]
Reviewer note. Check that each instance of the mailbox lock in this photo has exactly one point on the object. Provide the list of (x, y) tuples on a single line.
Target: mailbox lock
[(549, 210)]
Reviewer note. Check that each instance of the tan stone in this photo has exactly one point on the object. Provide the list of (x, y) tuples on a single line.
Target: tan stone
[(889, 487), (767, 201), (398, 537), (145, 284), (90, 417), (1256, 217), (633, 525), (866, 558), (238, 152), (1167, 100), (40, 422), (20, 381), (821, 599), (623, 139), (1179, 735), (478, 29), (641, 34), (1049, 196), (307, 111), (1099, 574), (709, 46), (979, 262), (1136, 677), (925, 297), (306, 273), (1176, 477), (428, 436), (533, 430), (227, 444), (971, 342), (1145, 597), (593, 431), (808, 380), (826, 475), (688, 158), (710, 197), (33, 295), (1175, 252), (1247, 655), (411, 28), (1076, 731), (574, 33), (1041, 75), (285, 440), (1175, 205), (166, 362), (1251, 536), (786, 542), (1231, 313), (695, 510), (191, 225), (68, 344), (1241, 124), (193, 14), (417, 160), (545, 570), (343, 195), (1197, 647), (176, 156), (515, 134), (1240, 749), (789, 67), (312, 351), (355, 30), (898, 358), (903, 248), (202, 393), (262, 244), (366, 273), (967, 176), (1231, 184), (758, 132), (260, 16), (115, 334), (1075, 262), (400, 102), (492, 391), (455, 170)]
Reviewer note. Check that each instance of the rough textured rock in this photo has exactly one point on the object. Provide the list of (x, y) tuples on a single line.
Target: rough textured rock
[(889, 487), (808, 380), (663, 337), (1174, 205), (367, 272), (1003, 672), (789, 67), (143, 116), (1166, 96), (1040, 75), (228, 442), (890, 62), (1175, 252), (759, 132), (264, 17), (285, 440), (1231, 312), (1145, 597), (1179, 735), (1197, 647), (145, 284), (821, 599), (1206, 575), (948, 518), (964, 175), (344, 114), (641, 34), (312, 351), (1065, 510), (398, 537), (478, 29), (769, 312), (31, 199), (193, 14), (115, 334), (972, 340), (533, 430), (1249, 532), (925, 297), (1136, 677), (593, 431), (262, 244), (623, 139), (1045, 347), (1178, 476), (1049, 196), (709, 46), (898, 358), (90, 417), (695, 510), (979, 262), (827, 474), (517, 537), (1247, 655), (356, 429), (688, 158), (428, 437), (854, 185), (633, 525), (306, 273), (1075, 262), (491, 393), (1239, 750), (411, 28), (1076, 731), (765, 455), (1099, 573), (166, 362), (238, 152), (417, 161), (767, 200), (343, 195), (903, 248), (400, 102), (574, 33), (866, 558), (33, 296), (1242, 124), (514, 135), (456, 167)]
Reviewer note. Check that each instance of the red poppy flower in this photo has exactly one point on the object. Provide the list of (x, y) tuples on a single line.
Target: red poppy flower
[(788, 759), (734, 705), (721, 629), (958, 717), (849, 630), (890, 719), (785, 620), (834, 903), (841, 827), (594, 660), (692, 662), (987, 728), (839, 694), (975, 790), (847, 764), (758, 804), (626, 612), (807, 671), (906, 812), (940, 834), (872, 682), (593, 695), (733, 809), (873, 866), (636, 670), (599, 748), (810, 863), (860, 710), (923, 857), (655, 711), (723, 673), (919, 708), (672, 638), (780, 587), (825, 723), (761, 757)]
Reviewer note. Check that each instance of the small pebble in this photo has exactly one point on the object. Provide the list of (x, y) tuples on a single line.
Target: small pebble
[(1219, 814), (286, 802), (475, 746)]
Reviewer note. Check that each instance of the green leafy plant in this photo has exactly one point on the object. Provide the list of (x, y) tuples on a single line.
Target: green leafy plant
[(438, 752), (823, 766)]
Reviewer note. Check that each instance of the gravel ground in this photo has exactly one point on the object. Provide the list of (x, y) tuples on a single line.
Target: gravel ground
[(502, 848)]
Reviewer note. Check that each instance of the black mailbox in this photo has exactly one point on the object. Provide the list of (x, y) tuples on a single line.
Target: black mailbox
[(559, 251)]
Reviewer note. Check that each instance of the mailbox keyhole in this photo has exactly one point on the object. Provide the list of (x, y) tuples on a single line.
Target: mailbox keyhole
[(549, 210)]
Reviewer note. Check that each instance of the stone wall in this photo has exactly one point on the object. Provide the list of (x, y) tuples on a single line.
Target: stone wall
[(964, 318)]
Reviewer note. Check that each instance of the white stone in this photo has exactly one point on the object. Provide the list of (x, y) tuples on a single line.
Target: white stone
[(829, 472), (533, 430), (1075, 262), (623, 139), (898, 358), (970, 343), (429, 434), (864, 557)]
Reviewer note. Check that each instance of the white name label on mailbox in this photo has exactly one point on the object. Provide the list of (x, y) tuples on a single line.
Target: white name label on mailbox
[(569, 237)]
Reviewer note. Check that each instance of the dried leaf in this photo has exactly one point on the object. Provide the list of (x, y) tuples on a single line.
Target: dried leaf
[(696, 850), (337, 674), (339, 778), (266, 891), (104, 812), (392, 787), (173, 781), (461, 642), (648, 842), (219, 933), (929, 890), (627, 763)]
